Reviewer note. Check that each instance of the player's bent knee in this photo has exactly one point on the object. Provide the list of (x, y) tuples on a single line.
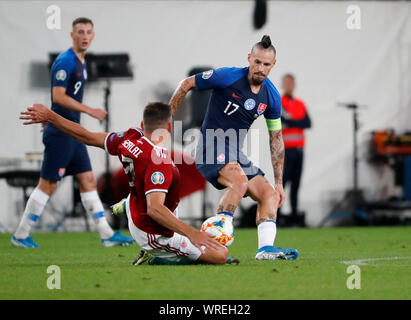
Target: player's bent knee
[(240, 188), (220, 256), (87, 182), (240, 184), (215, 256), (47, 186), (223, 255), (269, 195)]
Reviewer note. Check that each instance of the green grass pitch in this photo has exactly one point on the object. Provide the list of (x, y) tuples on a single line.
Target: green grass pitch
[(89, 271)]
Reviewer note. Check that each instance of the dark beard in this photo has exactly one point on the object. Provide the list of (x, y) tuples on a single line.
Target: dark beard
[(256, 82)]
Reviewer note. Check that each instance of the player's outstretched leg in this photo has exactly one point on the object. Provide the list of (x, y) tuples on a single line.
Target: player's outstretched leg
[(145, 257), (34, 208), (266, 196), (175, 250), (92, 203), (208, 257)]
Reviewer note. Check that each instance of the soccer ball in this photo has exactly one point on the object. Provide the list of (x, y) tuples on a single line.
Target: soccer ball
[(221, 228)]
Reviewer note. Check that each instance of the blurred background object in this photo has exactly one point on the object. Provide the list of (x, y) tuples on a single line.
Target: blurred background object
[(295, 120)]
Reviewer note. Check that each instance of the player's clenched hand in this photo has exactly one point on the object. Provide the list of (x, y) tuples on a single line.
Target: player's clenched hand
[(99, 114), (205, 239), (37, 113), (281, 193)]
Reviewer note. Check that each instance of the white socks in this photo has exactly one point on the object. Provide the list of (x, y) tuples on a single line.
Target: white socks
[(94, 207), (34, 208), (266, 230), (266, 233), (37, 202)]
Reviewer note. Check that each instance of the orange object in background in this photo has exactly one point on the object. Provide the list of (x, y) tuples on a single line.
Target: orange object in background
[(293, 137), (388, 143)]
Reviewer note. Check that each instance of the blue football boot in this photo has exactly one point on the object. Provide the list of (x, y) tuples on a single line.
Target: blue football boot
[(117, 240), (24, 243), (272, 253)]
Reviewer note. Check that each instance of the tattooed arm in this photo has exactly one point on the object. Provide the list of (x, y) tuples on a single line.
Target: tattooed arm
[(277, 160), (178, 96)]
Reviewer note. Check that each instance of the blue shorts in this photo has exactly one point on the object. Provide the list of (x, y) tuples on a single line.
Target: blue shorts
[(63, 156), (209, 162)]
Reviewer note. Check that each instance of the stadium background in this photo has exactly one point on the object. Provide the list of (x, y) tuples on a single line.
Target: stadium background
[(165, 39)]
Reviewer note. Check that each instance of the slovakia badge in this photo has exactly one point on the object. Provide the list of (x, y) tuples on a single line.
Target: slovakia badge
[(62, 171), (221, 158), (261, 108)]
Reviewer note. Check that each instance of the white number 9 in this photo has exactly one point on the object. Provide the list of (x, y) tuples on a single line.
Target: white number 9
[(77, 87)]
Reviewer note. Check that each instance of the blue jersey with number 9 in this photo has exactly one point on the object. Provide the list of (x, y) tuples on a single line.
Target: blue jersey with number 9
[(70, 73)]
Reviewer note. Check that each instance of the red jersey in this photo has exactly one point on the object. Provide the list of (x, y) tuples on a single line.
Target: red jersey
[(149, 169)]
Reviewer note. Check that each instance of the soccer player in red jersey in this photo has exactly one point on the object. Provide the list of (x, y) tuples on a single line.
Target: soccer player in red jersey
[(154, 183)]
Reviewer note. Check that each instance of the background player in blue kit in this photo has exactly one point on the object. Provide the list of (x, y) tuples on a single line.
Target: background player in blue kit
[(240, 95), (64, 155)]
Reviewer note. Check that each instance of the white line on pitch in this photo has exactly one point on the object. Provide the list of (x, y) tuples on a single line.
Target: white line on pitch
[(363, 262)]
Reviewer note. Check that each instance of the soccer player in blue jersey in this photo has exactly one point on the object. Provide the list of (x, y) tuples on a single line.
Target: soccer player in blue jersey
[(64, 155), (241, 95)]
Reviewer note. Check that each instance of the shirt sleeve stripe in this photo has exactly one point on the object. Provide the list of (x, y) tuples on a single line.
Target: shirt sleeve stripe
[(105, 141), (156, 190), (273, 124), (138, 130)]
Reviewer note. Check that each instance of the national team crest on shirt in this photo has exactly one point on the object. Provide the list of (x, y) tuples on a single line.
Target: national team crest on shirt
[(61, 75), (207, 74), (249, 104), (261, 108), (221, 158), (157, 178), (85, 74), (62, 171)]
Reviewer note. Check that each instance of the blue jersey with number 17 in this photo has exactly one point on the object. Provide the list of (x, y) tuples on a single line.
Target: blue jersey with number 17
[(232, 104)]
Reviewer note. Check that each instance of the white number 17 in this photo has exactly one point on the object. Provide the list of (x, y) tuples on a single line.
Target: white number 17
[(236, 106)]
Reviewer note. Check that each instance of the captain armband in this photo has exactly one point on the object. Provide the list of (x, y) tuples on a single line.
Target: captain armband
[(273, 124)]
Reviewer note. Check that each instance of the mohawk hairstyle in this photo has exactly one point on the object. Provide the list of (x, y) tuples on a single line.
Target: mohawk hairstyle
[(265, 44)]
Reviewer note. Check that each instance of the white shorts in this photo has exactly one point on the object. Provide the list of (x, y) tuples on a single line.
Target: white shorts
[(173, 248)]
